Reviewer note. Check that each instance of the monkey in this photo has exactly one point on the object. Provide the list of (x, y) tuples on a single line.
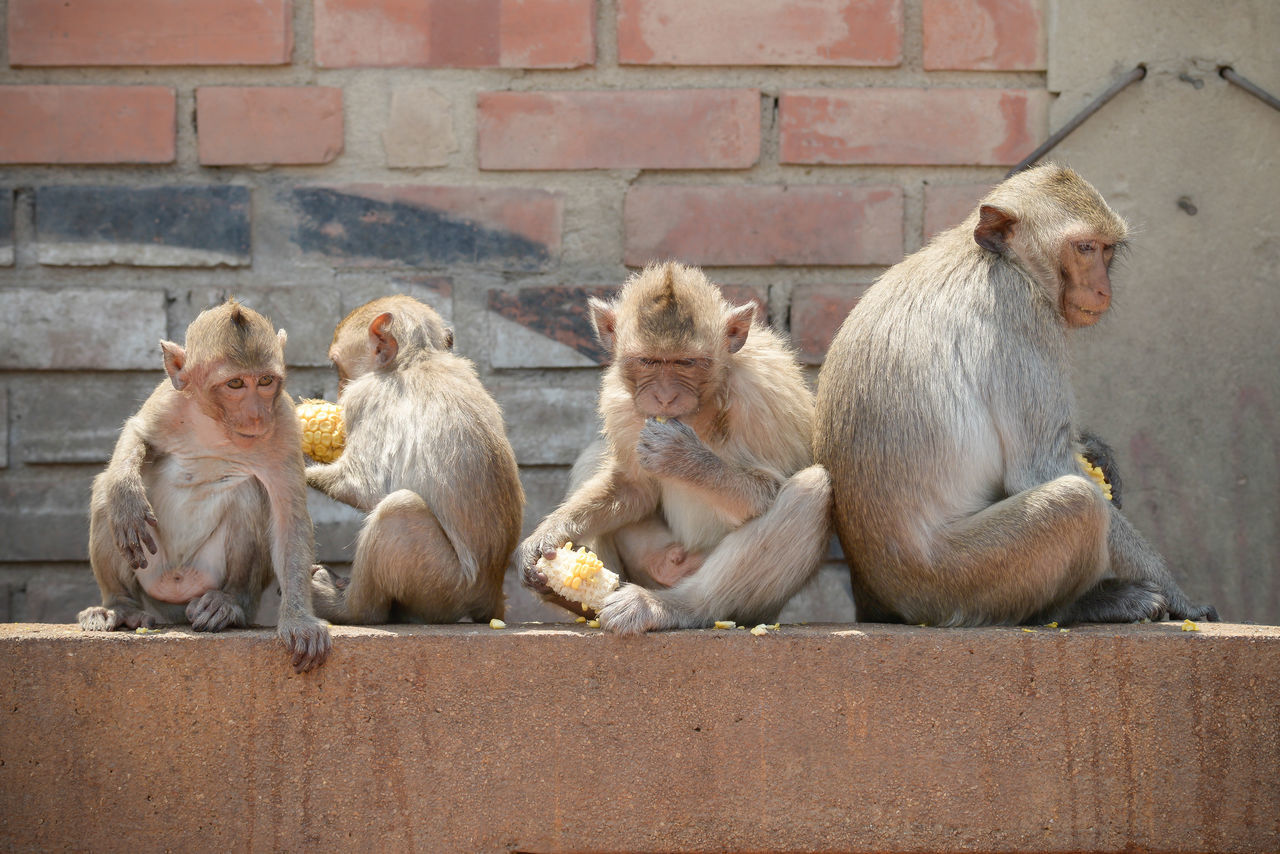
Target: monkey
[(204, 495), (427, 459), (946, 419), (707, 428)]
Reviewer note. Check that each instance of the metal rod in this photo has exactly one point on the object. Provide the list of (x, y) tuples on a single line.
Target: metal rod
[(1048, 145), (1229, 74)]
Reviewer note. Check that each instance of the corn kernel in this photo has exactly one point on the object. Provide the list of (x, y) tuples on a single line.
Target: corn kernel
[(725, 624), (1188, 626), (323, 431), (1096, 474), (759, 630), (595, 624), (495, 623), (579, 619)]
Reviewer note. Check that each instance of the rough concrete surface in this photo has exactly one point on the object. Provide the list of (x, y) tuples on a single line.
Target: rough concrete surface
[(562, 738)]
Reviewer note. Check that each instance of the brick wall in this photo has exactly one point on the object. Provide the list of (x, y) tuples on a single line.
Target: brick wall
[(499, 159)]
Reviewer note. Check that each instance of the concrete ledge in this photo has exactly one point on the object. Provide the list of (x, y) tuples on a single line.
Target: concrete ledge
[(557, 737)]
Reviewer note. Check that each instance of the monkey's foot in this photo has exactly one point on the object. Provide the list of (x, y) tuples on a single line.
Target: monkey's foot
[(671, 564), (1184, 610), (215, 611), (1115, 600), (633, 610), (307, 639), (100, 619)]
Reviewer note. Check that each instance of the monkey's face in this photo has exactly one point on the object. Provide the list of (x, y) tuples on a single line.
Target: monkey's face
[(1084, 262), (243, 402), (669, 387)]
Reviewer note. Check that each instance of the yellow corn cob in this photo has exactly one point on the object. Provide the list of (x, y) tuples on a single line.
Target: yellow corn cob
[(579, 576), (323, 433), (1095, 473)]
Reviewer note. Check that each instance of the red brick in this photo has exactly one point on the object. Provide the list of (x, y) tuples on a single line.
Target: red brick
[(989, 127), (663, 129), (268, 124), (985, 35), (454, 34), (150, 32), (760, 32), (774, 225), (87, 124), (816, 314), (948, 205)]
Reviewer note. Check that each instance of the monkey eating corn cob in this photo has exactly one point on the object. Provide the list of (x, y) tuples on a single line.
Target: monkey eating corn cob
[(1095, 473), (323, 433), (579, 576)]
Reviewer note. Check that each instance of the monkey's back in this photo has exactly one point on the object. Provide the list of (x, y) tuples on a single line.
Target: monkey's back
[(908, 448), (455, 453)]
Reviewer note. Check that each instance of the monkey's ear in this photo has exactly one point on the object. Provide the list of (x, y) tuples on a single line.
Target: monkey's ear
[(604, 320), (384, 344), (175, 361), (738, 325), (995, 227), (448, 338), (282, 337)]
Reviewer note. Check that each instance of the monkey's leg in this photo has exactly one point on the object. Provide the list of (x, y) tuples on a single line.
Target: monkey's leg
[(245, 551), (122, 606), (1133, 558), (402, 558), (749, 576), (1031, 554)]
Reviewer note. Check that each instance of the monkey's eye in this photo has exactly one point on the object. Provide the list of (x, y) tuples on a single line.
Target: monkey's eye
[(649, 363), (266, 380), (235, 382), (684, 363), (1084, 247)]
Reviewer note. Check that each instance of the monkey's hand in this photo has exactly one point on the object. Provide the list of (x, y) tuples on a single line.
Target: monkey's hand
[(132, 520), (308, 640), (672, 449), (538, 545)]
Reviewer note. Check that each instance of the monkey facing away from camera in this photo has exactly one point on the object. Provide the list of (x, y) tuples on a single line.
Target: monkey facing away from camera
[(946, 419), (427, 459), (204, 495), (707, 425)]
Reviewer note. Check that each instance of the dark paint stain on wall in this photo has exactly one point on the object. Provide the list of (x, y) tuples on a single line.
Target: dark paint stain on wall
[(214, 219), (361, 231)]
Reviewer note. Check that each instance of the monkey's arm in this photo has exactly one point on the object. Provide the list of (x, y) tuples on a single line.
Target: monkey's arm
[(341, 481), (292, 553), (603, 503), (1133, 558), (673, 450), (120, 491)]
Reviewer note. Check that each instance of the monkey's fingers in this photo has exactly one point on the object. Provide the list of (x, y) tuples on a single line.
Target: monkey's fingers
[(309, 643), (535, 580)]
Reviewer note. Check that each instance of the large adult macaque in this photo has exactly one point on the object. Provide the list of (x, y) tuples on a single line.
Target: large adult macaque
[(204, 495), (947, 421), (427, 459), (707, 424)]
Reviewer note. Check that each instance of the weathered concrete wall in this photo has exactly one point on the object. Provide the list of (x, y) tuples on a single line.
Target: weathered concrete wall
[(1184, 377), (540, 738)]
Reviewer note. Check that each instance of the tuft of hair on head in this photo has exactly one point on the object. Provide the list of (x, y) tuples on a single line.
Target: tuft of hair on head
[(671, 307), (414, 324), (237, 333)]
